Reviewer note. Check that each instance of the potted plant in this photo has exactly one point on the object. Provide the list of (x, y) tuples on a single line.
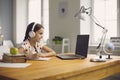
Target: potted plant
[(57, 40)]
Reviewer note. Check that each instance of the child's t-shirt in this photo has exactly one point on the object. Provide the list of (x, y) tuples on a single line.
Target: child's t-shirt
[(30, 49)]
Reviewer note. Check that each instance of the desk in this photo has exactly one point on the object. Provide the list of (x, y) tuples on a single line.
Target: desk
[(57, 69)]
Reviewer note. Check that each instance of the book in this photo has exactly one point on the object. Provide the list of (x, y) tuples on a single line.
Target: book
[(18, 58)]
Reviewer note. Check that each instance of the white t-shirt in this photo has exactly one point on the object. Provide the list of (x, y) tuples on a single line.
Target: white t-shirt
[(30, 49)]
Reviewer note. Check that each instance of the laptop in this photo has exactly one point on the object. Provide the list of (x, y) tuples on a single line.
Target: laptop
[(81, 49)]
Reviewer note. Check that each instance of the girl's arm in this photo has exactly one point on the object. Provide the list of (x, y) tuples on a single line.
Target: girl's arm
[(50, 52), (28, 55)]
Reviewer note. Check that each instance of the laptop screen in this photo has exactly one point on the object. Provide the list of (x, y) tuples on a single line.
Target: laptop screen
[(82, 45)]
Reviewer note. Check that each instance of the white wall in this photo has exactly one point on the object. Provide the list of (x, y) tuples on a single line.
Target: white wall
[(62, 25), (19, 20), (66, 25), (6, 18)]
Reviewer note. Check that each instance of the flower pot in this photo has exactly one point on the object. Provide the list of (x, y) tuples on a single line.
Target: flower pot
[(58, 42)]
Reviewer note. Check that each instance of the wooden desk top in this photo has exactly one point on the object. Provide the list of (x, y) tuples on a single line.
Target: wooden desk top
[(56, 68)]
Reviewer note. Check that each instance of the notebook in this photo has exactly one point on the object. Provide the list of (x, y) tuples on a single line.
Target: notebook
[(81, 49)]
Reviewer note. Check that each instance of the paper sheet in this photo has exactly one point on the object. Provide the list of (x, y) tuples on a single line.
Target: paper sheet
[(14, 65)]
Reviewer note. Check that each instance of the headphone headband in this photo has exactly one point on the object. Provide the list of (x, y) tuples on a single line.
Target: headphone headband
[(32, 33), (33, 26)]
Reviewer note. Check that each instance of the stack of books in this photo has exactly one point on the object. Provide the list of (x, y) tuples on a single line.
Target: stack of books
[(18, 58)]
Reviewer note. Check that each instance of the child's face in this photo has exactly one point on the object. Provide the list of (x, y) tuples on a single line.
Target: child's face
[(39, 34)]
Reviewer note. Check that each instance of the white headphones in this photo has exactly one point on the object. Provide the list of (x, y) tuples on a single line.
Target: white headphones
[(32, 33)]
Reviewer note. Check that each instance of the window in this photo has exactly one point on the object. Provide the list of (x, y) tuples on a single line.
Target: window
[(38, 11), (106, 13)]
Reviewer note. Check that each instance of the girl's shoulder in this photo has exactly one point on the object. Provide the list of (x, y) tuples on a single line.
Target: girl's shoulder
[(40, 44), (26, 42)]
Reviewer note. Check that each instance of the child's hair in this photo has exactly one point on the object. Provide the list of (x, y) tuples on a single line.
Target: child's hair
[(29, 28)]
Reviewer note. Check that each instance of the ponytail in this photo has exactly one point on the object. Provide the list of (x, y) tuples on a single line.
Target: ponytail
[(29, 28)]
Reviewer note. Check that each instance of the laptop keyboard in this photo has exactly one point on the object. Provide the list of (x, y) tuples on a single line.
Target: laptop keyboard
[(69, 56)]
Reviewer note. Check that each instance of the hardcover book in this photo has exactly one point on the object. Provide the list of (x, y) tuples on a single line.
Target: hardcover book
[(19, 58)]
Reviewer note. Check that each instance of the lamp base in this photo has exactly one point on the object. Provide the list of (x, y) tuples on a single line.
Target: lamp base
[(108, 57), (97, 60)]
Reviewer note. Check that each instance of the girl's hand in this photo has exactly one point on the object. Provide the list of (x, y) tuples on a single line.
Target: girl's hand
[(40, 55), (34, 56), (29, 56)]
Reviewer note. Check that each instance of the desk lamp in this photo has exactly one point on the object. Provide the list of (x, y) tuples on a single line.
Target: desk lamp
[(100, 47)]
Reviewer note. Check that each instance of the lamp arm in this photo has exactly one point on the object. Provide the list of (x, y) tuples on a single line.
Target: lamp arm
[(102, 39), (101, 48), (100, 45), (94, 19), (99, 25)]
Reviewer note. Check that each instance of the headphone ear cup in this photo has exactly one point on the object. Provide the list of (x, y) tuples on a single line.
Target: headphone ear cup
[(32, 34)]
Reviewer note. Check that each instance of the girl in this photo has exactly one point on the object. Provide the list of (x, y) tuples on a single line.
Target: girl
[(32, 45)]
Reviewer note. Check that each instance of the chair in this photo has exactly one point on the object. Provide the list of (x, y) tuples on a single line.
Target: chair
[(65, 43), (8, 43), (5, 48)]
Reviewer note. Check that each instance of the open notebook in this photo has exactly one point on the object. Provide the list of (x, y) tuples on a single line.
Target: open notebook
[(81, 48)]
